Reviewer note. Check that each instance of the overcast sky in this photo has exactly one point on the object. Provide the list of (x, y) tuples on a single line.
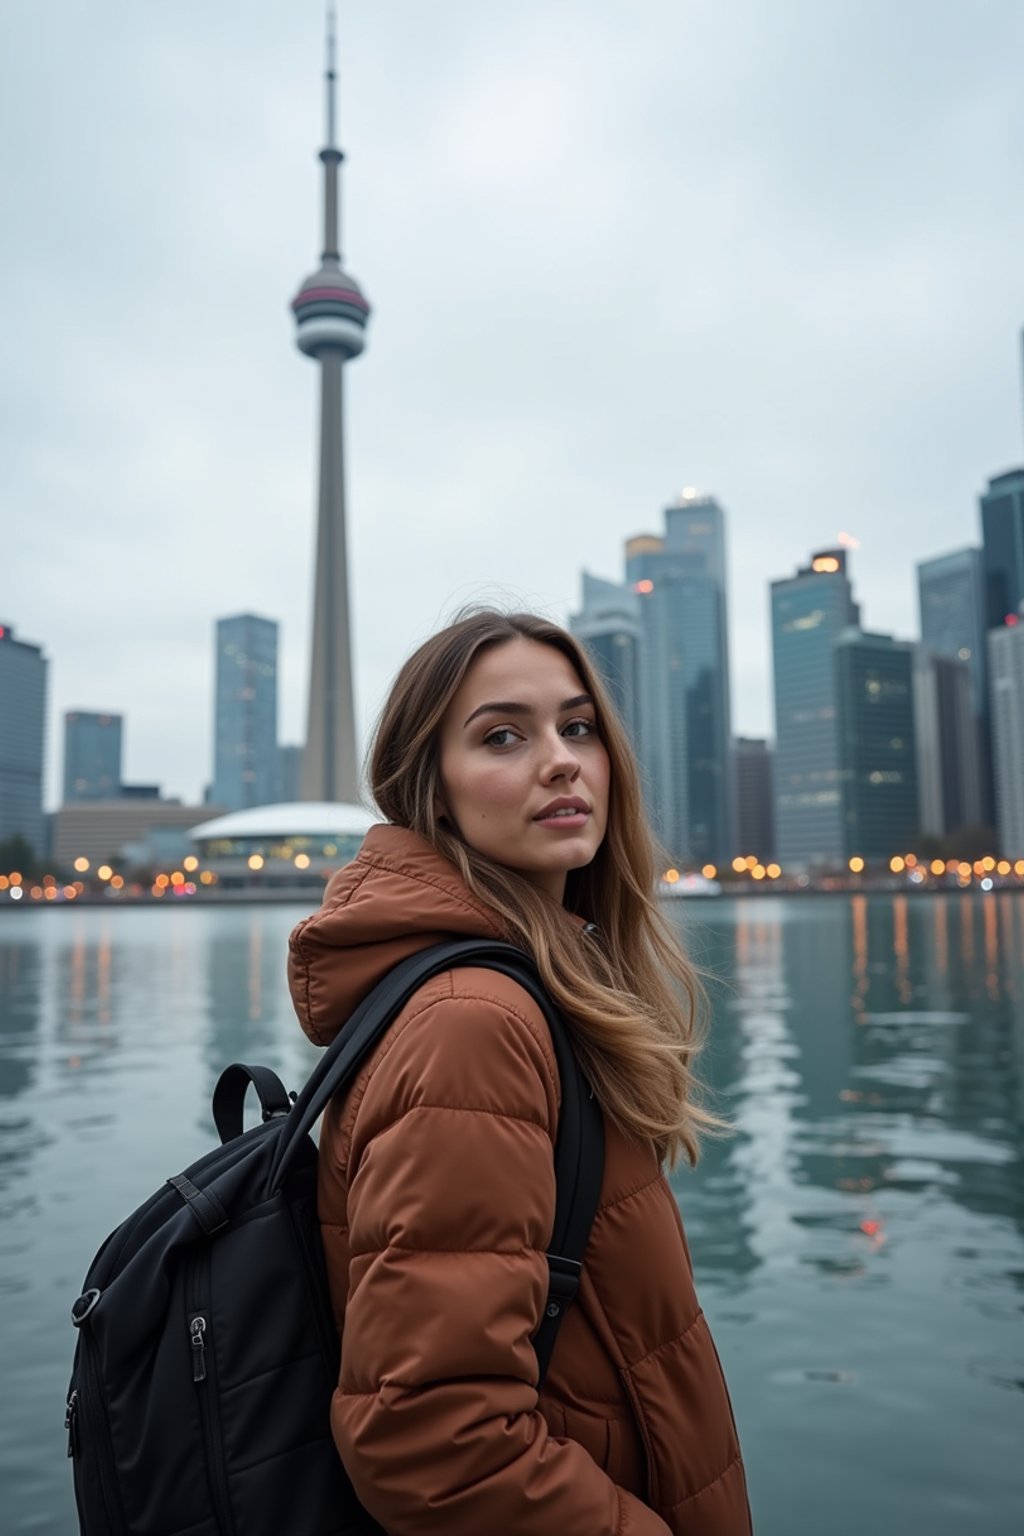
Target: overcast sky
[(773, 249)]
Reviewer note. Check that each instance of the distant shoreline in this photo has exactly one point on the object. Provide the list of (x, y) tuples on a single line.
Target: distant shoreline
[(307, 899)]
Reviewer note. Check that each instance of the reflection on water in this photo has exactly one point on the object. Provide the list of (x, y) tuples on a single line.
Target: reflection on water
[(859, 1238)]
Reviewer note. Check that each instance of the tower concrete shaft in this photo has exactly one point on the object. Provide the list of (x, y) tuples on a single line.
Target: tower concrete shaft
[(329, 769), (331, 315)]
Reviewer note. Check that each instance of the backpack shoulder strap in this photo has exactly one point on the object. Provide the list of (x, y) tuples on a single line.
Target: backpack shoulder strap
[(579, 1142)]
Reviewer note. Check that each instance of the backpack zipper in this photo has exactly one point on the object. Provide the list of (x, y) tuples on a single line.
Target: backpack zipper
[(90, 1401), (204, 1377)]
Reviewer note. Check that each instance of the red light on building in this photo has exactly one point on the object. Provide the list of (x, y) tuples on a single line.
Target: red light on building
[(644, 586), (1011, 620)]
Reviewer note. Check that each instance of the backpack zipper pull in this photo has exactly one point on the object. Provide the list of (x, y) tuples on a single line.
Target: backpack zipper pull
[(197, 1328), (70, 1419)]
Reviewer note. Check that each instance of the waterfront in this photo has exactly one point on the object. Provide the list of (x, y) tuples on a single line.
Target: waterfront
[(859, 1240)]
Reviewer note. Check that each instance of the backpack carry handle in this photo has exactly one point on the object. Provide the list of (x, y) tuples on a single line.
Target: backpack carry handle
[(229, 1097)]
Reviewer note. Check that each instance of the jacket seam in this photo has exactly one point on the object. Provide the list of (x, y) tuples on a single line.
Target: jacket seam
[(668, 1343), (668, 1508), (463, 1109), (629, 1195), (394, 1035), (367, 1253)]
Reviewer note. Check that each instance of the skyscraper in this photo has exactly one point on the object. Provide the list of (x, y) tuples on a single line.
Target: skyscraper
[(951, 596), (23, 669), (809, 611), (951, 599), (877, 743), (331, 315), (245, 713), (1002, 526), (949, 773), (608, 623), (92, 756), (1006, 672), (685, 730), (755, 819)]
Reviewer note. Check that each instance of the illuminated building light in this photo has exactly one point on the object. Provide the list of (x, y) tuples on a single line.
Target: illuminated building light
[(644, 586), (177, 879), (823, 563), (255, 861), (50, 892), (302, 861), (897, 865), (952, 866), (979, 866), (964, 871), (190, 887), (161, 881), (987, 883), (206, 878), (48, 880), (104, 872), (856, 864), (937, 867), (758, 872), (739, 865), (81, 865), (16, 893), (1003, 867), (117, 881), (750, 862), (158, 890), (70, 893), (190, 863), (774, 871), (4, 882), (1012, 619), (671, 876), (709, 871), (910, 860), (36, 892), (848, 541)]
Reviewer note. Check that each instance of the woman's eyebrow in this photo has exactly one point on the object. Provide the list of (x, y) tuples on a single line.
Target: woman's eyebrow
[(510, 708)]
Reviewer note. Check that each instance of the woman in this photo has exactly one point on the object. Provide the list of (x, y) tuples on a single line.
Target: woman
[(513, 810)]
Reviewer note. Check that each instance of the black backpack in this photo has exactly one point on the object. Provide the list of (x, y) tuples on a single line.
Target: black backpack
[(207, 1353)]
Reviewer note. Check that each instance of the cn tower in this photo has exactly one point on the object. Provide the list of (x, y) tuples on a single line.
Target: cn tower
[(330, 319)]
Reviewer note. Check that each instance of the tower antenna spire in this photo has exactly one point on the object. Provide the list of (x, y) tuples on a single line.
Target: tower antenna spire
[(331, 75)]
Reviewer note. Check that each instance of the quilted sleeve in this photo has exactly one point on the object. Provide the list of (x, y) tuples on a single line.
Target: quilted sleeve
[(450, 1206)]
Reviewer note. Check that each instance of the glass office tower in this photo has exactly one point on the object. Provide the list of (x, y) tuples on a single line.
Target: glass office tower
[(245, 714), (92, 756), (809, 611), (877, 744), (23, 670), (1002, 526), (685, 730)]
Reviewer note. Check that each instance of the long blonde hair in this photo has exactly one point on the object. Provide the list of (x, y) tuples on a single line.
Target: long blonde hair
[(633, 1000)]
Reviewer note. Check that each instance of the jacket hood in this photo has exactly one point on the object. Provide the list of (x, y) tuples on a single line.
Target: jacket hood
[(397, 896)]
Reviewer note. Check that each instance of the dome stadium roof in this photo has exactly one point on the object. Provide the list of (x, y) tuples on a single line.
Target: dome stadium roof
[(311, 818)]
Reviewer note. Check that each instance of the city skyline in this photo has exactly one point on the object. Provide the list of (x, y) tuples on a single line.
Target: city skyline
[(839, 349)]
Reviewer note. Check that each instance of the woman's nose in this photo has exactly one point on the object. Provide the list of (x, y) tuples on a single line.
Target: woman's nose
[(560, 761)]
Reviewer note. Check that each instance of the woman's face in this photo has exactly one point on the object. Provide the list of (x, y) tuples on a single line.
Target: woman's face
[(524, 773)]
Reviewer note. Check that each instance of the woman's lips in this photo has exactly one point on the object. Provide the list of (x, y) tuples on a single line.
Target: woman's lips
[(575, 820)]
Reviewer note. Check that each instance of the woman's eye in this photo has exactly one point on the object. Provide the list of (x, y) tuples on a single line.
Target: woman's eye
[(580, 728), (499, 738)]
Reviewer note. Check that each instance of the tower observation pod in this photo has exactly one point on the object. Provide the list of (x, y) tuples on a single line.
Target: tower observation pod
[(330, 318)]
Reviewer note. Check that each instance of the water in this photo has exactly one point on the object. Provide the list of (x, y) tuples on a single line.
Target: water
[(859, 1240)]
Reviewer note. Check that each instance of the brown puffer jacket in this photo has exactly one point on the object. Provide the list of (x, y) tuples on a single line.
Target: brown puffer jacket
[(437, 1200)]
